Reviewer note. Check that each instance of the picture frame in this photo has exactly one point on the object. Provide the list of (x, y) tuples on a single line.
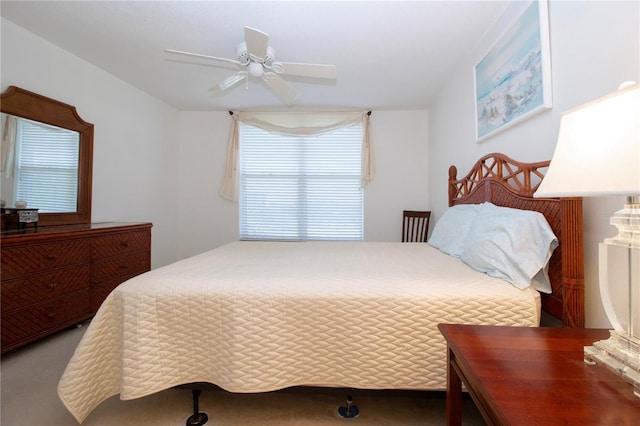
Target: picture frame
[(512, 82)]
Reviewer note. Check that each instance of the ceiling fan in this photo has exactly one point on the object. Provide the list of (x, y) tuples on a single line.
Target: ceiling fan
[(257, 59)]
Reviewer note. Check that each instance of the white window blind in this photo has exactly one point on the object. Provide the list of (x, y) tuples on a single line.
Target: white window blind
[(301, 187), (39, 169)]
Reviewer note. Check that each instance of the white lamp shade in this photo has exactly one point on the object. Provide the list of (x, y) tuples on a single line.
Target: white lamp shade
[(598, 149)]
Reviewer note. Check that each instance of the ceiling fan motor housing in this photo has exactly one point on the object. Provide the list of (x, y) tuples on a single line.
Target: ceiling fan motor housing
[(242, 55)]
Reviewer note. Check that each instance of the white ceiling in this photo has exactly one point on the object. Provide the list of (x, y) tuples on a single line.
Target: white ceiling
[(390, 55)]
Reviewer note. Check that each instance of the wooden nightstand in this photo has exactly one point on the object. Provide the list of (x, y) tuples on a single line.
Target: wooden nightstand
[(534, 376)]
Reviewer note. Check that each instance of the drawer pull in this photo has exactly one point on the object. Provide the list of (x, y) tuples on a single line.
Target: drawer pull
[(52, 285), (124, 244), (51, 256), (50, 315), (124, 266)]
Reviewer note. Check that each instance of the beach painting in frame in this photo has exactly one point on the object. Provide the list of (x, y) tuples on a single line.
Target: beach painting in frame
[(513, 80)]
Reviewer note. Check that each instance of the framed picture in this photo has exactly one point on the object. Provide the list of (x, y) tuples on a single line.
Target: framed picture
[(512, 82)]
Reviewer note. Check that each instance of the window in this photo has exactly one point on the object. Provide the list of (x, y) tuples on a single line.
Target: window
[(36, 173), (301, 187)]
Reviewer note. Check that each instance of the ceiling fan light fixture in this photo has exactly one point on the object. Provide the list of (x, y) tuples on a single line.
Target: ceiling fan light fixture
[(255, 69), (242, 55), (270, 57)]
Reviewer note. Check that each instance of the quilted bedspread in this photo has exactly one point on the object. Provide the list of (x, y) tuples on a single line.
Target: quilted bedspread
[(261, 316)]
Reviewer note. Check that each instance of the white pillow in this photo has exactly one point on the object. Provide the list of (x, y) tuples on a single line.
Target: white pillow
[(511, 244), (451, 229)]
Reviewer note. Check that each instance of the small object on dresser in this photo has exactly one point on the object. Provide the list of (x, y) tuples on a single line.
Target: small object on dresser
[(21, 204), (19, 218)]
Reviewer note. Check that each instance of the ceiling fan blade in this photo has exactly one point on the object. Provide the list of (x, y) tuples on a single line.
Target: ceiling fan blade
[(257, 42), (280, 87), (309, 70), (229, 82), (198, 55)]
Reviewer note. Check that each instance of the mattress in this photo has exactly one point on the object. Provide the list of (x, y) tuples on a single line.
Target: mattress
[(262, 316)]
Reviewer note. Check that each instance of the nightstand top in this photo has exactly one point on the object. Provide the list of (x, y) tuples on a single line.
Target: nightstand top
[(537, 375)]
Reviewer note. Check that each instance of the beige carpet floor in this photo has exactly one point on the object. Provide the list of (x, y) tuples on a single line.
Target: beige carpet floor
[(30, 376)]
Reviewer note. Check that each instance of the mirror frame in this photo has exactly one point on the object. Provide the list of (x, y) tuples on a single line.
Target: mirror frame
[(23, 103)]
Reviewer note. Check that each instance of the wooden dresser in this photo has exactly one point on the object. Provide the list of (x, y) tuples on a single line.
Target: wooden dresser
[(57, 276)]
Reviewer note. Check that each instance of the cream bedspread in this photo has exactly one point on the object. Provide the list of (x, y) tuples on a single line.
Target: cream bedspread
[(261, 316)]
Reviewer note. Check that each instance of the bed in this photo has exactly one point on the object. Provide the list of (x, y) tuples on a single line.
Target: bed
[(261, 316)]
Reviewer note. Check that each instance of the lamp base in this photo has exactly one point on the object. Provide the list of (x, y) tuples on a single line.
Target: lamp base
[(619, 353)]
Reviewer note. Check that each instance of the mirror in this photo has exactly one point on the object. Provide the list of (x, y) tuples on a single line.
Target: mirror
[(62, 133)]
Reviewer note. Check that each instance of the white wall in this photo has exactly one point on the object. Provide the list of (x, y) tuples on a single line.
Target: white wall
[(400, 149), (400, 141), (206, 219), (135, 149), (595, 46)]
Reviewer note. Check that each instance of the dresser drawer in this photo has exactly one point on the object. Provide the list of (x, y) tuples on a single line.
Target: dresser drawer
[(122, 266), (99, 292), (38, 320), (25, 260), (121, 243), (26, 291)]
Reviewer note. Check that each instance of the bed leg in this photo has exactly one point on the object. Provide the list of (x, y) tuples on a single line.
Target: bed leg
[(198, 418), (349, 411)]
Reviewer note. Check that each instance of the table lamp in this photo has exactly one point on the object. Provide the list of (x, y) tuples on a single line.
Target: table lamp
[(598, 154)]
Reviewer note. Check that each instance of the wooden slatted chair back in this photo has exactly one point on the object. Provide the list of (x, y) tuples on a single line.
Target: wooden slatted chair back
[(415, 226)]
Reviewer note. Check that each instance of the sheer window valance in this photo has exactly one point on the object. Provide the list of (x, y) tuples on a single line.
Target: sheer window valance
[(291, 124), (8, 152)]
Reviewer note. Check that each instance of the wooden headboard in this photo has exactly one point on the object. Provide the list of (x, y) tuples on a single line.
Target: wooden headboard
[(505, 182)]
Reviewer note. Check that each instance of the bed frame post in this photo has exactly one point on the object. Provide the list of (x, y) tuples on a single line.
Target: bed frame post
[(572, 263), (453, 190)]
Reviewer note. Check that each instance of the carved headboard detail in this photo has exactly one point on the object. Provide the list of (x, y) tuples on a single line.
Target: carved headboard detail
[(505, 182)]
